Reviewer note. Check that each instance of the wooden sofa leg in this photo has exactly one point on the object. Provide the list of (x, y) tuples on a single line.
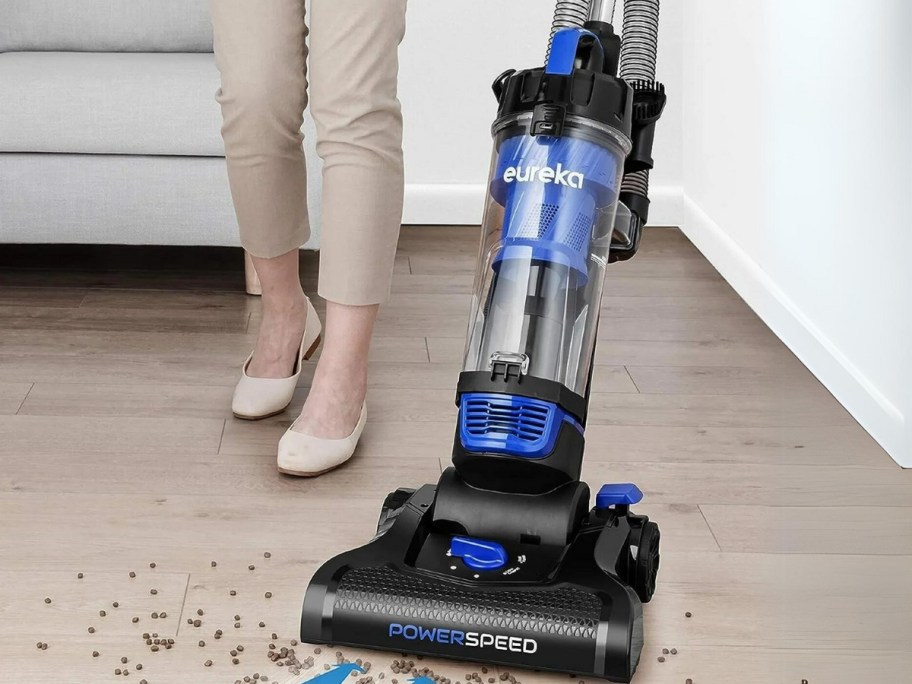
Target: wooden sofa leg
[(251, 279)]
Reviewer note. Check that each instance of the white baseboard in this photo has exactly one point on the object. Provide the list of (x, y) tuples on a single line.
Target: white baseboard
[(851, 387), (457, 204), (666, 205)]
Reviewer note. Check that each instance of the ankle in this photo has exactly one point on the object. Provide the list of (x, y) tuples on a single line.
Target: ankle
[(284, 303), (345, 373)]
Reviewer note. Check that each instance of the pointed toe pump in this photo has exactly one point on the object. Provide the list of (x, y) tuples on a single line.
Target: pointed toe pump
[(307, 456)]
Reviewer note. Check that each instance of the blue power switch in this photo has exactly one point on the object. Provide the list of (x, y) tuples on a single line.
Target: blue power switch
[(620, 494), (479, 554)]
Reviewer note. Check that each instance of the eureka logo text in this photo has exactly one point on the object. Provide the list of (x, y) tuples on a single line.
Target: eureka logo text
[(544, 174)]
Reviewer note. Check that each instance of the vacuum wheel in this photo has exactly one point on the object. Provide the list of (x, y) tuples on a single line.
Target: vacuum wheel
[(646, 566), (391, 505)]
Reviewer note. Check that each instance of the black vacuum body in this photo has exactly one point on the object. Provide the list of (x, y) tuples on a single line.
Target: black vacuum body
[(505, 560)]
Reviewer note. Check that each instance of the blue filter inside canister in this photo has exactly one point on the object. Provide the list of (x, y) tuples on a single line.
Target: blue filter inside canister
[(551, 189)]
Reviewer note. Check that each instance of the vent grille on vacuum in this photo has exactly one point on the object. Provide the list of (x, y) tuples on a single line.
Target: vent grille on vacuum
[(538, 222), (579, 233), (484, 416)]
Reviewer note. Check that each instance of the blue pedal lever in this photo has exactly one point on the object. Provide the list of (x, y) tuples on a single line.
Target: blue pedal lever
[(619, 494), (479, 554)]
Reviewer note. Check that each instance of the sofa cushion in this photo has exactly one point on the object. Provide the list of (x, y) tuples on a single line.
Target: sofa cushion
[(109, 103), (105, 25)]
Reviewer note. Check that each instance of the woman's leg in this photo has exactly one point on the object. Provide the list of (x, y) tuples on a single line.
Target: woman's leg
[(353, 79), (284, 311), (261, 54)]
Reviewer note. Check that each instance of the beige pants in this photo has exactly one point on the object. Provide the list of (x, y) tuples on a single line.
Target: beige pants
[(352, 68)]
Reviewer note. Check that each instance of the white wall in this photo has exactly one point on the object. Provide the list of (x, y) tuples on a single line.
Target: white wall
[(450, 57), (796, 179)]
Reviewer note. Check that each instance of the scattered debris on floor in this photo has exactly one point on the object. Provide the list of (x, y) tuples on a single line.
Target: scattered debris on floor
[(286, 655)]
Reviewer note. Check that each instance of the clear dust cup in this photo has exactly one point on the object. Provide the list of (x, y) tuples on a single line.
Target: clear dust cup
[(544, 248)]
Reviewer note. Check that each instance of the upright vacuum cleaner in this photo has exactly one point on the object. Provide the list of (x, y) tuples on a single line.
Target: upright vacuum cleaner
[(503, 561)]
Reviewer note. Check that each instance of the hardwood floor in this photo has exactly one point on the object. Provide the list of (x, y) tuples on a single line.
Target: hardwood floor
[(787, 531)]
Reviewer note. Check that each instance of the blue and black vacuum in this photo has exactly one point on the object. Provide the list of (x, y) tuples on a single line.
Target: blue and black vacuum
[(503, 560)]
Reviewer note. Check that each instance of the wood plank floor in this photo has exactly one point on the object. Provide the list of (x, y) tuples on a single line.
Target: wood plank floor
[(787, 531)]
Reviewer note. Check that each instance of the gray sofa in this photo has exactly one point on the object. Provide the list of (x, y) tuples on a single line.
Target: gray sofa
[(109, 129)]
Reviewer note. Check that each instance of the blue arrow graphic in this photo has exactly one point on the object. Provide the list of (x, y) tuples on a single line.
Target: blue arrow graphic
[(337, 675)]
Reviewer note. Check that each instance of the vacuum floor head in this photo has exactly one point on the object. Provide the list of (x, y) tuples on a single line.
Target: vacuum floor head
[(419, 590)]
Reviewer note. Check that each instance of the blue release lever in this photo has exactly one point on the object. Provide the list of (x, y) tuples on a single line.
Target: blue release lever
[(564, 47), (479, 554), (619, 494)]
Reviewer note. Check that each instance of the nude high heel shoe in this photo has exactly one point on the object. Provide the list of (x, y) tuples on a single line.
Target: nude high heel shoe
[(308, 456), (256, 398)]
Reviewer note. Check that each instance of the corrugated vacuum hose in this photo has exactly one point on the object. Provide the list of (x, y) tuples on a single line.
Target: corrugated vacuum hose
[(638, 65), (640, 40)]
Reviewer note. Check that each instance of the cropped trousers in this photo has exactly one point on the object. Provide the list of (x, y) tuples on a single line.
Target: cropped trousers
[(347, 73)]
